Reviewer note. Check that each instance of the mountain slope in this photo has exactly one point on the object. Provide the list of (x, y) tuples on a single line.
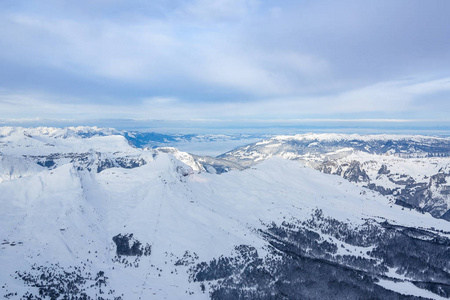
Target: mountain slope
[(413, 170), (160, 231), (92, 217), (91, 148)]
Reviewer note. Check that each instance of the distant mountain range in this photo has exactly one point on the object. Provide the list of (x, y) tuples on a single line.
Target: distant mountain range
[(414, 171)]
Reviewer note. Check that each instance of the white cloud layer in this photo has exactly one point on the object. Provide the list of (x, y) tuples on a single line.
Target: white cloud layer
[(224, 59), (388, 99)]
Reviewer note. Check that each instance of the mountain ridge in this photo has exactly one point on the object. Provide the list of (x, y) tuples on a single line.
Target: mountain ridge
[(368, 161), (99, 225)]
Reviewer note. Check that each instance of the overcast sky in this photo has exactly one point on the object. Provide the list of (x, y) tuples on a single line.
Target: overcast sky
[(225, 59)]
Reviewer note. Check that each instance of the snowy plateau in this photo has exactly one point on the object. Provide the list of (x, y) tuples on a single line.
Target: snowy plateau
[(93, 213)]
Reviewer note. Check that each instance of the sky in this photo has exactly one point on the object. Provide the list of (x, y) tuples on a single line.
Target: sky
[(225, 61)]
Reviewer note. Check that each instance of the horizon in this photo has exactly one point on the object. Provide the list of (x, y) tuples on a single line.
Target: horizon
[(269, 127)]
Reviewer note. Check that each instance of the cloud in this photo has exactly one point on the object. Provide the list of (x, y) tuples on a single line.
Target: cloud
[(224, 59), (99, 48), (385, 100), (153, 53), (220, 10)]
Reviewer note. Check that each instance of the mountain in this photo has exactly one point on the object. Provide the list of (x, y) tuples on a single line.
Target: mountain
[(201, 144), (24, 150), (86, 148), (165, 228), (414, 171)]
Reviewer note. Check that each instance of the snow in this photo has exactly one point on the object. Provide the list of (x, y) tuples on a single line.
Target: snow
[(12, 167), (69, 216), (407, 288), (409, 172), (340, 137), (25, 145)]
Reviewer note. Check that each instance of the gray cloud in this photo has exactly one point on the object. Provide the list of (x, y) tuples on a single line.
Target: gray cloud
[(224, 59)]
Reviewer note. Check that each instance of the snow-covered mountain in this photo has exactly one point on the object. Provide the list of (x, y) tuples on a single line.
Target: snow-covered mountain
[(412, 170), (200, 144), (85, 148), (152, 224), (88, 148)]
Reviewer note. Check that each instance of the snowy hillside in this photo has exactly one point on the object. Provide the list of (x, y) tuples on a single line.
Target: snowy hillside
[(152, 224), (23, 151), (412, 170), (199, 144)]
